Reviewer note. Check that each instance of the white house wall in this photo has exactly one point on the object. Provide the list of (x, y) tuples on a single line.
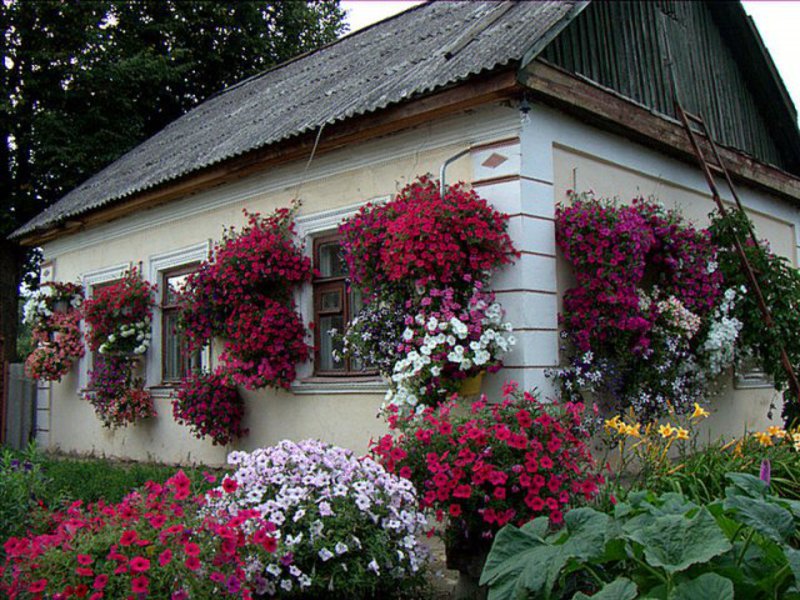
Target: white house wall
[(332, 187)]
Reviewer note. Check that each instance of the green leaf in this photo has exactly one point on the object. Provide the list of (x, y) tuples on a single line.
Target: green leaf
[(708, 586), (619, 589), (767, 518), (538, 527), (675, 542), (745, 484), (510, 552), (793, 558)]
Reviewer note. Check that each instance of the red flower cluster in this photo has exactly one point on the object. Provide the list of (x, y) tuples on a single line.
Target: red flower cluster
[(613, 250), (423, 239), (112, 309), (157, 544), (54, 315), (210, 406), (503, 463), (243, 293)]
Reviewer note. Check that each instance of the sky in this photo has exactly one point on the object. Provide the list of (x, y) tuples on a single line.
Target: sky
[(777, 21)]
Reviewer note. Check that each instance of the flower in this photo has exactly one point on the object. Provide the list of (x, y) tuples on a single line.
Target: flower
[(667, 430), (699, 412)]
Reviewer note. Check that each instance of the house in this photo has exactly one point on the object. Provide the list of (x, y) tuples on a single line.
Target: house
[(530, 99)]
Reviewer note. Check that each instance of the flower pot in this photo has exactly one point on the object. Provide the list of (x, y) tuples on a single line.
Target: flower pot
[(468, 558), (471, 386)]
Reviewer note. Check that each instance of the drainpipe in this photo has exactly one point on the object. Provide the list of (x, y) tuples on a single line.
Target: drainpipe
[(443, 169)]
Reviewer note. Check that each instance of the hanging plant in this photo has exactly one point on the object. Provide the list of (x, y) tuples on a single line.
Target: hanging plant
[(649, 321), (53, 313), (119, 317), (243, 294), (211, 407), (116, 395), (423, 259)]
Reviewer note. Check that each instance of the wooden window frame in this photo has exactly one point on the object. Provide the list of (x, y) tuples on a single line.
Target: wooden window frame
[(168, 309), (321, 285)]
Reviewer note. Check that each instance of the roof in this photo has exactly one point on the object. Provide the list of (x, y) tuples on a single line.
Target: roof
[(419, 51)]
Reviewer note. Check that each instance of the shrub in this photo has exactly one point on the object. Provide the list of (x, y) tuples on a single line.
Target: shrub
[(498, 464), (22, 483), (155, 544), (346, 527), (656, 547), (211, 407)]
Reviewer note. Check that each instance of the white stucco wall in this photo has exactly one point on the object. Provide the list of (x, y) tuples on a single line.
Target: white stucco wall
[(522, 166)]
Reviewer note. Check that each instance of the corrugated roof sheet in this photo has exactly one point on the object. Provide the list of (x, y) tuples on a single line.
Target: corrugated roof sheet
[(388, 63)]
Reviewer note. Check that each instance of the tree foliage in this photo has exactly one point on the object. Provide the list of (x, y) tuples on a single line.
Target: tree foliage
[(84, 82)]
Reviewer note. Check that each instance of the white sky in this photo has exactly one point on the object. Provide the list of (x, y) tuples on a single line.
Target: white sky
[(777, 21)]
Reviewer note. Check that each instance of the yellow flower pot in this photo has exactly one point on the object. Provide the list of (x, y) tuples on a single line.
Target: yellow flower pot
[(471, 386)]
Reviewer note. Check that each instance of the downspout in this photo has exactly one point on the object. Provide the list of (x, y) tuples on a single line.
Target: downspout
[(443, 169)]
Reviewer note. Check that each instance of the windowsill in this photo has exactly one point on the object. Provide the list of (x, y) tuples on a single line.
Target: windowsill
[(372, 384), (163, 390)]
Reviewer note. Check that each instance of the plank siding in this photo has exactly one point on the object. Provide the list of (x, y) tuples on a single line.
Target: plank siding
[(623, 46)]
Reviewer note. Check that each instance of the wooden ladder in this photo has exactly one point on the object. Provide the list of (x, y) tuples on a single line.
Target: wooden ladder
[(717, 166)]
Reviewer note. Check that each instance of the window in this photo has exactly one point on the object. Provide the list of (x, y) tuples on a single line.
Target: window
[(176, 363), (334, 306), (95, 358)]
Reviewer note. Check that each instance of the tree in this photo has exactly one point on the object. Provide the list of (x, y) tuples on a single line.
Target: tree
[(84, 82)]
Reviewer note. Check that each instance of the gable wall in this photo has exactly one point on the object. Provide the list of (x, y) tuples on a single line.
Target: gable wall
[(623, 46)]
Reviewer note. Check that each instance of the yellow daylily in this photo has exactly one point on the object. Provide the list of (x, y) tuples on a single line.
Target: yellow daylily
[(796, 440), (699, 412), (682, 434), (776, 431), (763, 438), (633, 430), (614, 423), (667, 430)]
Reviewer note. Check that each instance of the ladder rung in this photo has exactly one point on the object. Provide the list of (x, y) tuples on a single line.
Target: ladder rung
[(694, 117), (716, 168)]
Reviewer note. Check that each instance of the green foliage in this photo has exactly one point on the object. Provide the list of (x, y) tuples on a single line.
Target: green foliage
[(780, 284), (90, 480), (664, 547), (21, 484), (84, 82)]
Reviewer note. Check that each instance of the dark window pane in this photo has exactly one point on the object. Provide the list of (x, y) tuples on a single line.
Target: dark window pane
[(173, 363), (331, 301), (331, 263), (327, 344)]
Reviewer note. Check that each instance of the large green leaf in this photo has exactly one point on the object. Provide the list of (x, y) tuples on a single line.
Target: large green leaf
[(793, 557), (522, 562), (619, 589), (767, 518), (709, 586), (745, 484), (675, 542)]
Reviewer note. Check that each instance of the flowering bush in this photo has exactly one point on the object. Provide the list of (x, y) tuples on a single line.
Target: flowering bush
[(210, 406), (119, 316), (422, 239), (117, 397), (373, 336), (648, 319), (53, 313), (243, 293), (502, 463), (156, 544), (345, 527), (444, 343)]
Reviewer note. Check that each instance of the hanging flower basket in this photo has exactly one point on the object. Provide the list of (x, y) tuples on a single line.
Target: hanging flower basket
[(471, 386)]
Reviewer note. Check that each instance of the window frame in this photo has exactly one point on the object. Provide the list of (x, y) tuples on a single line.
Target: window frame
[(166, 309), (321, 285)]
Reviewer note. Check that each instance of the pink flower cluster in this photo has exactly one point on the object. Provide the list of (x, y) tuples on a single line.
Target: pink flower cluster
[(422, 239), (243, 294), (158, 544), (211, 407), (117, 397), (615, 250), (54, 315), (506, 462)]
